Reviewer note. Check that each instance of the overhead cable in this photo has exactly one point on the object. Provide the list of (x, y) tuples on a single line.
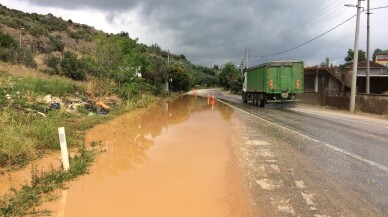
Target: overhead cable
[(313, 39)]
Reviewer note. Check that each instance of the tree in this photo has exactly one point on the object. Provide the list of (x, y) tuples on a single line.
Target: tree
[(228, 75), (72, 67), (326, 63), (375, 52), (6, 41), (180, 78), (349, 57)]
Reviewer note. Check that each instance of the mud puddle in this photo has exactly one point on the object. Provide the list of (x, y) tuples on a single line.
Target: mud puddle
[(171, 160)]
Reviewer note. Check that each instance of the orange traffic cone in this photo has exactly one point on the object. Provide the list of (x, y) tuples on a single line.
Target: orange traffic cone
[(213, 102)]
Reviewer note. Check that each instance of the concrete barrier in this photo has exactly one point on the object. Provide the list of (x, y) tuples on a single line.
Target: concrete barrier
[(311, 98), (372, 103), (369, 103)]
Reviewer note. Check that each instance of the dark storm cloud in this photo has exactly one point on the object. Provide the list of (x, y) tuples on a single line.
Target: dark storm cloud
[(98, 4), (213, 32)]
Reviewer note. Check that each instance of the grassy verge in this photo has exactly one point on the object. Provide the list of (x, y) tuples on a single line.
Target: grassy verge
[(27, 135), (23, 202)]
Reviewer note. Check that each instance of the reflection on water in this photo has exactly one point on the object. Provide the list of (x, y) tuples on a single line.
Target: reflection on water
[(171, 159)]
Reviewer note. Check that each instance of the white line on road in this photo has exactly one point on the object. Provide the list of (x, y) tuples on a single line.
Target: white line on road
[(371, 163)]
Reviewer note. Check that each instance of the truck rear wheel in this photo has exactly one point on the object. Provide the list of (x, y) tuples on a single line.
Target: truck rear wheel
[(262, 100), (244, 97), (255, 99)]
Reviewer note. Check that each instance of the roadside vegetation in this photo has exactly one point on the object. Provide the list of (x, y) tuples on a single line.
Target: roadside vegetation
[(24, 201), (56, 73)]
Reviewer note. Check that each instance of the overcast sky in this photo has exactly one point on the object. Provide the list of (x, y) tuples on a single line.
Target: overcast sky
[(217, 31)]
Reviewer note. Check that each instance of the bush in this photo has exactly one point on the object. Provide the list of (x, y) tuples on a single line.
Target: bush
[(38, 31), (18, 56), (8, 55), (134, 90), (58, 44), (6, 41), (15, 23), (72, 67), (53, 63), (26, 58), (236, 85)]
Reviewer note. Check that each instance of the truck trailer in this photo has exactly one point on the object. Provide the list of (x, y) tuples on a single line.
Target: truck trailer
[(273, 82)]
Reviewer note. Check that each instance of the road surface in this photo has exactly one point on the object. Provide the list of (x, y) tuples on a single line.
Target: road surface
[(190, 157), (311, 162)]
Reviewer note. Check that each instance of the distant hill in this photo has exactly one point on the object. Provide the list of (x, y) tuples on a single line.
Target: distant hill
[(62, 47), (46, 33)]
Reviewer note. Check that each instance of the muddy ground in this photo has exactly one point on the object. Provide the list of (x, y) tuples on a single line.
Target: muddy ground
[(173, 159), (185, 158)]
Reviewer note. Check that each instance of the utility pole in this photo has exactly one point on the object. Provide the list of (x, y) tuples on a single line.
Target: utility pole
[(20, 37), (247, 53), (367, 50), (168, 57), (168, 66), (355, 61)]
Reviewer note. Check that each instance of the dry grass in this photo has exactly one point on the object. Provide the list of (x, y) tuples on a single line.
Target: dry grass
[(19, 70), (22, 71)]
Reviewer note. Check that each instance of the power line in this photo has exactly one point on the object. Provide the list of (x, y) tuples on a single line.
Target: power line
[(285, 51), (378, 8), (321, 16)]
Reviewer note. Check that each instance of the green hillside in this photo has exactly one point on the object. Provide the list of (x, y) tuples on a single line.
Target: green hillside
[(46, 60), (58, 47)]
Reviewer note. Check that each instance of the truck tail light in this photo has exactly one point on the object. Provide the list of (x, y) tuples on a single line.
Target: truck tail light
[(271, 84), (297, 84)]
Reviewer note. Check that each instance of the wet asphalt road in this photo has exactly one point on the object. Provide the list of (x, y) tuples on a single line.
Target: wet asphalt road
[(308, 162)]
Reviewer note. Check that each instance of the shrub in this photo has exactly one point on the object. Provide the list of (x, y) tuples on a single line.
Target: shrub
[(18, 56), (38, 31), (237, 84), (53, 63), (25, 57), (134, 90), (72, 67), (58, 44), (8, 55), (6, 41), (15, 23)]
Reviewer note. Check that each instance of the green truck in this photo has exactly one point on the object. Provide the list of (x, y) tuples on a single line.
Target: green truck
[(273, 82)]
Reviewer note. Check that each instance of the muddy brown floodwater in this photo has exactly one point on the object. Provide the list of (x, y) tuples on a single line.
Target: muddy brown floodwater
[(173, 159)]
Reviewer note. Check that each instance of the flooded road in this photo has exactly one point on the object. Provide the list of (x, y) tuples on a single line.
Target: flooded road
[(173, 159)]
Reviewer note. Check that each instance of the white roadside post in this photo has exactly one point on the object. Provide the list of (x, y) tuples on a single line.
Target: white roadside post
[(64, 153)]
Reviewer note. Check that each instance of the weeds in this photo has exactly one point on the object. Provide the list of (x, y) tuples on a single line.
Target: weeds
[(24, 201), (55, 86), (26, 135)]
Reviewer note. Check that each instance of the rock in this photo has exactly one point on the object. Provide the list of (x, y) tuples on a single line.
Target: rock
[(48, 99), (9, 97)]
